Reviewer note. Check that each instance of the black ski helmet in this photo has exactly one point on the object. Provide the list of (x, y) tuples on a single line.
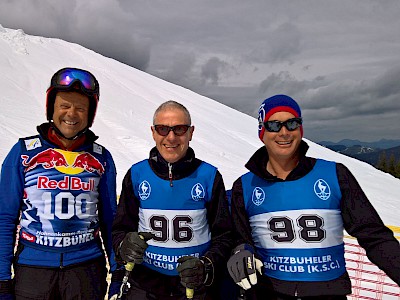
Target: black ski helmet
[(68, 79)]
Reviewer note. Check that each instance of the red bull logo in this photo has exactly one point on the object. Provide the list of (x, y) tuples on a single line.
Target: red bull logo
[(64, 161), (48, 159), (68, 183), (89, 163)]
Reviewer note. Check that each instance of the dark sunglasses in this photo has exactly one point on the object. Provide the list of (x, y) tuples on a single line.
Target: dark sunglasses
[(276, 126), (67, 77), (178, 130)]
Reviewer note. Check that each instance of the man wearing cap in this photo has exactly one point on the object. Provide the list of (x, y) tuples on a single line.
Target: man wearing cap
[(290, 212), (59, 189)]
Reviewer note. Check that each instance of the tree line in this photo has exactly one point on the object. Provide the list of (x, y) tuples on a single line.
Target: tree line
[(389, 165)]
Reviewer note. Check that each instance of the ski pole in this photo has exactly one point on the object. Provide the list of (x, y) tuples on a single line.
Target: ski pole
[(242, 294), (189, 293), (128, 269)]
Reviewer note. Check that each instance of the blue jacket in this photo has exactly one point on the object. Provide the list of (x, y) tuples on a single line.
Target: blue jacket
[(297, 226), (60, 201), (181, 209), (359, 217), (165, 182)]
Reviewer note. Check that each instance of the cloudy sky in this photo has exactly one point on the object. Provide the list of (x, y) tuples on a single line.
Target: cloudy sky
[(340, 59)]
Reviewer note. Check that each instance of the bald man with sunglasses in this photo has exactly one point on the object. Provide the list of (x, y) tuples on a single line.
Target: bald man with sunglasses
[(59, 188), (173, 218), (290, 212)]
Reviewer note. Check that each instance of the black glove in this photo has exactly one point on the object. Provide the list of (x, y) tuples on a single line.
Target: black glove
[(192, 271), (133, 246), (242, 266), (6, 290)]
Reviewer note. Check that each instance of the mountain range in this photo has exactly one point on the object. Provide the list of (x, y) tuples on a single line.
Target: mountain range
[(381, 144), (370, 152)]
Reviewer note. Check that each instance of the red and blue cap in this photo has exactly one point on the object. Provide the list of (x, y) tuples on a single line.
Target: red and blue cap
[(273, 105)]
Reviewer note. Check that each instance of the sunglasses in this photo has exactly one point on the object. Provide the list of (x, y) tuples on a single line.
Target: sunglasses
[(67, 77), (276, 126), (178, 130)]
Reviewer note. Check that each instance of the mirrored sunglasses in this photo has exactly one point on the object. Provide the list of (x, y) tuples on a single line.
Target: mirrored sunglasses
[(276, 126), (178, 130), (67, 77)]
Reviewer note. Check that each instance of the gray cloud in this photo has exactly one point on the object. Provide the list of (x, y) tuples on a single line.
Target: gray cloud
[(180, 70), (211, 70), (279, 45)]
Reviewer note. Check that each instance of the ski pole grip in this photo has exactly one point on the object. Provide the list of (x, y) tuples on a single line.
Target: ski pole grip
[(189, 293), (129, 266)]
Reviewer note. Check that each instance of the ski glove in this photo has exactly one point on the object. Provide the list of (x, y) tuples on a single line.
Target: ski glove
[(242, 266), (133, 246), (194, 272)]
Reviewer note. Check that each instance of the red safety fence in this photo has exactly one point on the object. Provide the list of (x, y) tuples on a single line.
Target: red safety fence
[(368, 281)]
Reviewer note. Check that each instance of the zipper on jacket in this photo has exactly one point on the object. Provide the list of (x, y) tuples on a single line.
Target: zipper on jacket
[(170, 174)]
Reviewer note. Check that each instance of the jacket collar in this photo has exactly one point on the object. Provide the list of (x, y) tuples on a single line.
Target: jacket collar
[(257, 164), (180, 169), (46, 132)]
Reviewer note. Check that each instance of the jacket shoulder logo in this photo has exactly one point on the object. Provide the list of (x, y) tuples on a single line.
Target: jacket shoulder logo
[(32, 144)]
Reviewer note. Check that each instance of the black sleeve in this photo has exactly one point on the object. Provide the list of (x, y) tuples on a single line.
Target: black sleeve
[(220, 223), (127, 216), (241, 223), (362, 221)]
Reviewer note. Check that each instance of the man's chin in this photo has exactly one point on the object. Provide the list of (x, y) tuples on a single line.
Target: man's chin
[(69, 134), (170, 157)]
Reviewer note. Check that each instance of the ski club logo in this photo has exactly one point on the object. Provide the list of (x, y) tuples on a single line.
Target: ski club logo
[(144, 190), (66, 162), (258, 196), (322, 189), (198, 192)]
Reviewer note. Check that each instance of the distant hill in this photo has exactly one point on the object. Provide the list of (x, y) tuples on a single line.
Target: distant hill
[(366, 154), (381, 144), (373, 157)]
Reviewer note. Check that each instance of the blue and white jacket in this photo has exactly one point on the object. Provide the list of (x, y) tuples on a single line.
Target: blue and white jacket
[(59, 200), (296, 226), (184, 204)]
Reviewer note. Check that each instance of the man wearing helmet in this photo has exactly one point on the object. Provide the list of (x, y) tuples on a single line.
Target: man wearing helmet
[(59, 189)]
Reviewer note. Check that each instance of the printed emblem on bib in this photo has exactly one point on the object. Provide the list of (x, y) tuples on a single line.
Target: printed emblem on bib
[(322, 189), (261, 116), (198, 192), (144, 190), (258, 196)]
